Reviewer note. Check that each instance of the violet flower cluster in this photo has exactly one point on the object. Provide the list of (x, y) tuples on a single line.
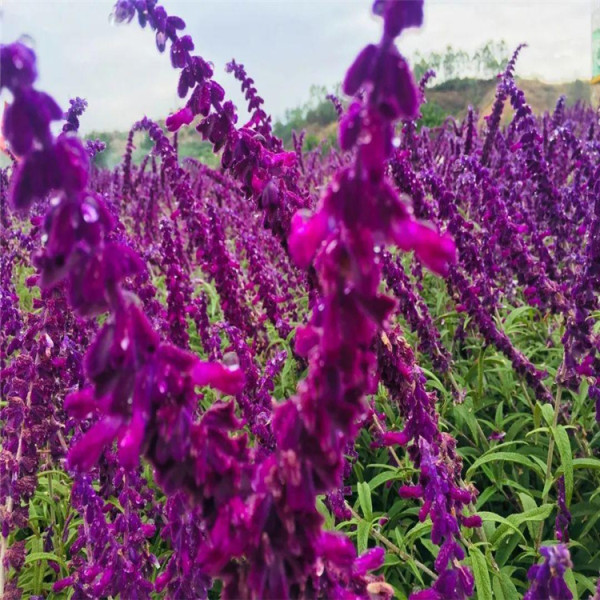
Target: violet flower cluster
[(547, 579), (241, 478), (142, 390), (434, 453)]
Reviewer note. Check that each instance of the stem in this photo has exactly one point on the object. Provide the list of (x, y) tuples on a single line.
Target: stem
[(10, 500), (391, 546), (383, 539), (456, 387), (557, 400), (524, 387), (382, 430)]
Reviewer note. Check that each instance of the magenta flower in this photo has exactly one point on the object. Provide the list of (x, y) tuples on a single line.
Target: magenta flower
[(177, 120), (547, 579)]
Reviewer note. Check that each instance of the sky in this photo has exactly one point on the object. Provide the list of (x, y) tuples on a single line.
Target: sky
[(285, 45)]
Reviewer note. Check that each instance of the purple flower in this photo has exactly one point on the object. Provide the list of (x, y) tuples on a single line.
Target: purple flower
[(33, 179), (17, 66), (547, 579), (437, 252), (399, 15), (452, 584), (563, 515), (77, 108), (229, 380), (308, 233), (183, 117), (396, 94), (28, 118)]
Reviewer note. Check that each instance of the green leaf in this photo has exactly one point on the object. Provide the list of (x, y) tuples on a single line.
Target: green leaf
[(329, 521), (534, 515), (418, 531), (433, 381), (487, 493), (506, 549), (364, 499), (548, 413), (528, 503), (499, 417), (585, 582), (483, 584), (34, 556), (465, 412), (494, 518), (570, 581), (537, 415), (383, 478), (504, 588), (563, 444), (362, 536), (537, 430), (586, 463), (517, 315), (480, 372), (505, 456)]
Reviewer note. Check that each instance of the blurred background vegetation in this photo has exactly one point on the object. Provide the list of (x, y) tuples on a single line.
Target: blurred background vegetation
[(462, 79)]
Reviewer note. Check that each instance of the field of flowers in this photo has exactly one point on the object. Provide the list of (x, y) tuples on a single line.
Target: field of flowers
[(371, 372)]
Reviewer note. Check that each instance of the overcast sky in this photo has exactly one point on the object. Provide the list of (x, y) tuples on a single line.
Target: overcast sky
[(286, 46)]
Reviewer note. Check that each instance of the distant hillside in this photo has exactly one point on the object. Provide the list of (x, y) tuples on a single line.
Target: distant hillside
[(450, 98), (319, 120), (453, 97), (318, 117)]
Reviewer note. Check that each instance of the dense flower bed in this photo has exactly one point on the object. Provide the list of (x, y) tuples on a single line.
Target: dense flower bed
[(367, 373)]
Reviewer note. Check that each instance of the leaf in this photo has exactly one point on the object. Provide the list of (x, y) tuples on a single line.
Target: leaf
[(383, 478), (506, 549), (362, 536), (515, 315), (586, 582), (364, 499), (433, 381), (483, 584), (499, 416), (537, 415), (570, 581), (528, 503), (465, 412), (329, 521), (480, 371), (487, 493), (418, 531), (586, 463), (548, 413), (494, 518), (563, 444), (34, 556), (504, 588), (537, 430), (534, 515), (505, 456)]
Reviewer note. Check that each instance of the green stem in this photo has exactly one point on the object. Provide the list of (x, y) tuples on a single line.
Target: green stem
[(550, 457), (456, 387), (382, 430), (391, 546)]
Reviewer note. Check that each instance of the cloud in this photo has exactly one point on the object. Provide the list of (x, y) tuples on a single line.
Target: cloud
[(286, 46)]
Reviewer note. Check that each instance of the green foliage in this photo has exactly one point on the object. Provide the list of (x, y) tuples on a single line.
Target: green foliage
[(313, 115), (432, 115), (485, 62), (517, 492), (190, 144)]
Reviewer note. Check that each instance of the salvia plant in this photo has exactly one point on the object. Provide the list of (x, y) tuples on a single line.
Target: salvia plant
[(367, 372)]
